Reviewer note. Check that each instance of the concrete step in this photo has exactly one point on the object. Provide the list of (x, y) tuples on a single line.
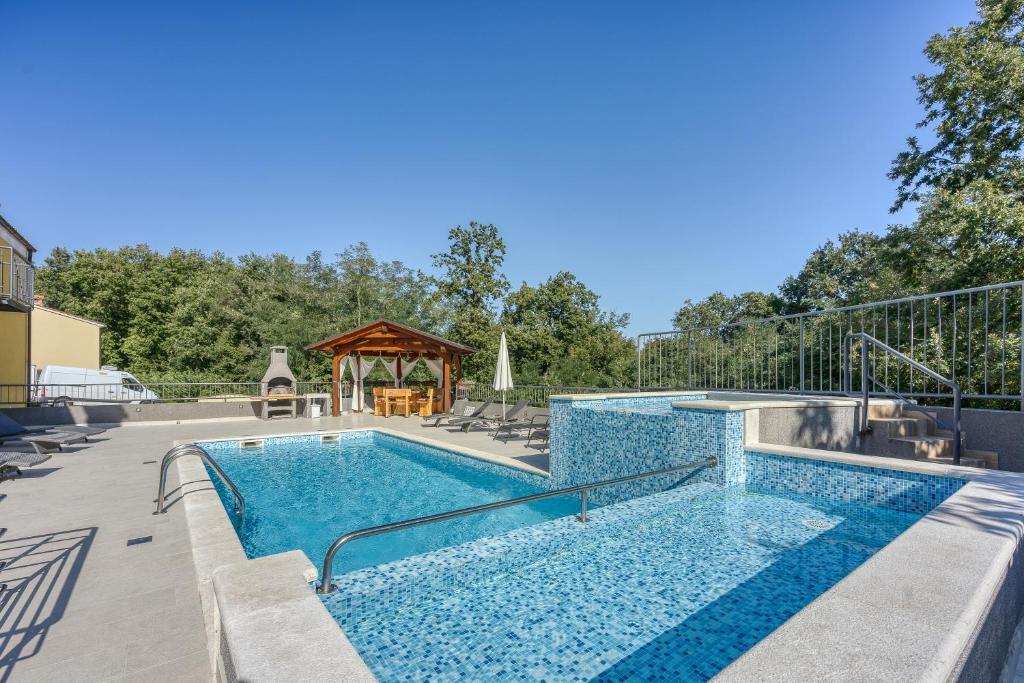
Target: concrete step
[(926, 421), (893, 426), (927, 446), (882, 410), (965, 461)]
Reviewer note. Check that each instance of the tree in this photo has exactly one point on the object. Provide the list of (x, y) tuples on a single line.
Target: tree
[(974, 105), (472, 266), (721, 309), (854, 270), (558, 334), (471, 286), (964, 238)]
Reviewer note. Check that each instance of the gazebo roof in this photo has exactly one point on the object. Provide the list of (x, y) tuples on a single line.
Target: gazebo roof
[(387, 337)]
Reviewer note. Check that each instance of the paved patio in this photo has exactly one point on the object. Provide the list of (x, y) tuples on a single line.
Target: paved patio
[(81, 604)]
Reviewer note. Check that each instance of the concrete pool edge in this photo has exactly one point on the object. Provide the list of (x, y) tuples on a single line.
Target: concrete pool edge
[(939, 603), (244, 626)]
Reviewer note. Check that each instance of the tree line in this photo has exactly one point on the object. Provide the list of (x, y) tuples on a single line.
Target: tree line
[(190, 316)]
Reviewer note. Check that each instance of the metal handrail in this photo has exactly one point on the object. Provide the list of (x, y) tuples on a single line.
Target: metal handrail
[(971, 330), (325, 585), (866, 340), (192, 449)]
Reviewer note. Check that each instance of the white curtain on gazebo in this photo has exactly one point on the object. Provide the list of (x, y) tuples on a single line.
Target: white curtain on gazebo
[(436, 367), (365, 366)]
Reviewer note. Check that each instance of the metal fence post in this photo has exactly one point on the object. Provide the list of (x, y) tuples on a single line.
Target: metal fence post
[(801, 354)]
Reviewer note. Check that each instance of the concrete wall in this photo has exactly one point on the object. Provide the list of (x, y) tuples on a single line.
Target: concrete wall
[(62, 339), (14, 352), (833, 429), (126, 412), (1001, 431)]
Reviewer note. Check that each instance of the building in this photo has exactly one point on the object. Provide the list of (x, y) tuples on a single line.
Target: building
[(60, 338), (17, 281)]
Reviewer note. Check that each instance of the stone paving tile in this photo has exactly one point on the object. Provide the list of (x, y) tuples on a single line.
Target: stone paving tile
[(82, 605)]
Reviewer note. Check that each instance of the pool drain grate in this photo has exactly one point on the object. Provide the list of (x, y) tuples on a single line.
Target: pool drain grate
[(817, 524)]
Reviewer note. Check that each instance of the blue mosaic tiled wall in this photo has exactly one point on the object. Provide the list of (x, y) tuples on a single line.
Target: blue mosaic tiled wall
[(839, 482), (608, 438)]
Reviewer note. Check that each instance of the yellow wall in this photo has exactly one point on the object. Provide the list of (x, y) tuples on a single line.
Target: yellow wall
[(60, 339), (14, 354)]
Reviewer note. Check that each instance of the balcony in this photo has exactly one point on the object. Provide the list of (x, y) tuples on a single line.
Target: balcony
[(17, 282)]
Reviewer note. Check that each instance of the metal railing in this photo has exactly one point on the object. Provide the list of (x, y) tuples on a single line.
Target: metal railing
[(17, 280), (325, 585), (536, 395), (192, 449), (156, 392), (867, 342), (972, 336)]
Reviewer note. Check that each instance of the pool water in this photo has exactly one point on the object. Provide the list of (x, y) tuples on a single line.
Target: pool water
[(301, 494), (671, 587)]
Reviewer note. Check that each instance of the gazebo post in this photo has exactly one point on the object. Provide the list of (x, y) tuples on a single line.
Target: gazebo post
[(336, 384), (446, 389), (398, 369), (357, 383)]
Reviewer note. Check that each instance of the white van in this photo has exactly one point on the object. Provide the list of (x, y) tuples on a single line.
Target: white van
[(61, 385)]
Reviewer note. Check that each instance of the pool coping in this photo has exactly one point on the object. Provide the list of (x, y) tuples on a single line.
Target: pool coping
[(953, 592), (737, 401), (923, 607), (245, 618), (474, 453)]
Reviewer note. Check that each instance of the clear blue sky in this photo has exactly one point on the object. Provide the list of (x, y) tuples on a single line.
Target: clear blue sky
[(657, 150)]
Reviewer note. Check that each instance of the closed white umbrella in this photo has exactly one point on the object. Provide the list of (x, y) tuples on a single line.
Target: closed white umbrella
[(503, 372)]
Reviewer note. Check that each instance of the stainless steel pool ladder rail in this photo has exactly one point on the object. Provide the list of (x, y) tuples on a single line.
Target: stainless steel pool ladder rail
[(867, 340), (192, 449), (325, 585)]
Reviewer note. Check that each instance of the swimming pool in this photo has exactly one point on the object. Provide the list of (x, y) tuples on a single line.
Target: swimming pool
[(671, 586), (301, 494)]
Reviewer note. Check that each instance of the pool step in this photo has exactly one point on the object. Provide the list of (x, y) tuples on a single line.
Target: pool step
[(893, 426), (912, 433)]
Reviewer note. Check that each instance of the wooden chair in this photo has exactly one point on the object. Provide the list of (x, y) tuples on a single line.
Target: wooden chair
[(426, 404), (380, 403)]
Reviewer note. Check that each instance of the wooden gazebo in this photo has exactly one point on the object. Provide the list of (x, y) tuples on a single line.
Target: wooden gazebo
[(391, 340)]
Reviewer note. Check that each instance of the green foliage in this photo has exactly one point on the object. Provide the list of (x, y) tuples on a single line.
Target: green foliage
[(189, 317), (857, 269), (470, 288), (558, 334), (721, 309), (973, 103)]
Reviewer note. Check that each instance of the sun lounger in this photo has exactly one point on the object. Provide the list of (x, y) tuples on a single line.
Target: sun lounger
[(519, 423), (540, 430), (11, 462), (17, 459), (512, 415), (10, 429), (458, 408), (480, 412), (51, 441), (454, 420)]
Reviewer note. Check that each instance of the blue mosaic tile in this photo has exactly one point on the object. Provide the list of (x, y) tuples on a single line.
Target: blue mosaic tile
[(895, 489), (672, 586), (604, 439)]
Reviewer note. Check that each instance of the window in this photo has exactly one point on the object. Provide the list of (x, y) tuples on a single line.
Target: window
[(129, 382)]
